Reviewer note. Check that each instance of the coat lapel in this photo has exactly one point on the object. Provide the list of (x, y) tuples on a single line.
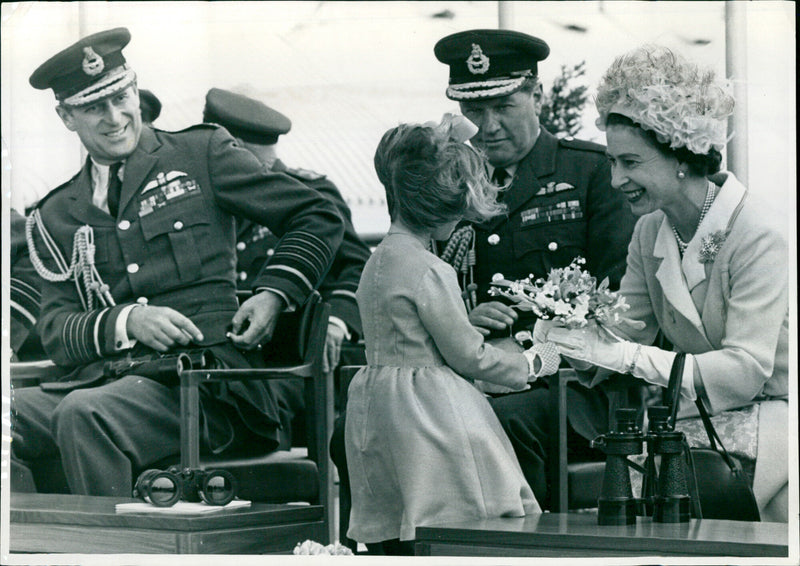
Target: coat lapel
[(684, 281), (82, 208), (670, 275), (540, 162), (138, 166)]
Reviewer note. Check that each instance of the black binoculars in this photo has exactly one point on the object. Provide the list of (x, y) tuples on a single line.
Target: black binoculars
[(665, 493), (670, 502), (164, 488), (616, 504)]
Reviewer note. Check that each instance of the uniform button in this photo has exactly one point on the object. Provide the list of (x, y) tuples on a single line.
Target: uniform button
[(270, 252), (497, 277), (242, 275), (124, 225), (493, 240), (241, 246), (132, 267), (178, 225), (142, 300), (552, 246)]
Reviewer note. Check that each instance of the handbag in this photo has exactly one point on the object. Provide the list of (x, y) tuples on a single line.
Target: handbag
[(718, 484)]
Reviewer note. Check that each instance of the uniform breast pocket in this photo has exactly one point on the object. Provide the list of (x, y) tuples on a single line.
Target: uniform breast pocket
[(179, 230), (549, 245)]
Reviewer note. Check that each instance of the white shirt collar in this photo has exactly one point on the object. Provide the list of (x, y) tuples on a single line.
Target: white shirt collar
[(100, 183)]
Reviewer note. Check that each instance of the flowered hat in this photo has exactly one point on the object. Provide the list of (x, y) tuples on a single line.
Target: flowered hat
[(660, 91)]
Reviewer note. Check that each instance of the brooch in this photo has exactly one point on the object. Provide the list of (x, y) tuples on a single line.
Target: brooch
[(710, 246)]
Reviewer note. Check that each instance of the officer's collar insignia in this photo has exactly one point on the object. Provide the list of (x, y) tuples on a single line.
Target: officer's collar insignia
[(92, 62), (477, 62)]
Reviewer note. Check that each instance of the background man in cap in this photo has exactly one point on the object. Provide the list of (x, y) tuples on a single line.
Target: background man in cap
[(137, 252), (150, 105), (258, 127), (560, 205)]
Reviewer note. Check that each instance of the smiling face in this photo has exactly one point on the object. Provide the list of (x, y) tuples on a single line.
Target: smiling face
[(109, 128), (647, 177), (508, 125)]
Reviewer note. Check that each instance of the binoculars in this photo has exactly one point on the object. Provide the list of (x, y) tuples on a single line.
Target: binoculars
[(164, 488), (665, 492)]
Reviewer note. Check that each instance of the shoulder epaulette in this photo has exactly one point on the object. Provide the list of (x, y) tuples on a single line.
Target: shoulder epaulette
[(304, 174), (200, 126), (55, 190), (581, 145)]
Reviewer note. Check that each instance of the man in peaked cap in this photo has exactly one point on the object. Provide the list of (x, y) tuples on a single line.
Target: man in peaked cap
[(560, 205), (150, 105), (258, 127), (137, 255)]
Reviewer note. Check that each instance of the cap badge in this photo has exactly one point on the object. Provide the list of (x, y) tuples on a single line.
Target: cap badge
[(477, 62), (92, 62)]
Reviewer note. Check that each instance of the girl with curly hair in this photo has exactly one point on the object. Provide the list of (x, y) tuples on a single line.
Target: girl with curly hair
[(422, 442)]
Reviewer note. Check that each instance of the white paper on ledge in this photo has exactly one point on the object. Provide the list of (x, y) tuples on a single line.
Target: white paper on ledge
[(180, 508)]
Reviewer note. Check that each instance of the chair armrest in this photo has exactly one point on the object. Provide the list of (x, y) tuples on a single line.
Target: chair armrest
[(28, 374), (557, 384)]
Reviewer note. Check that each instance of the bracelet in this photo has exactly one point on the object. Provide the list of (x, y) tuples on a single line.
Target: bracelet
[(635, 358)]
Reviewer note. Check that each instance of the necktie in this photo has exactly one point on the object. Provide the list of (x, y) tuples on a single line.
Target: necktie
[(500, 177), (114, 188)]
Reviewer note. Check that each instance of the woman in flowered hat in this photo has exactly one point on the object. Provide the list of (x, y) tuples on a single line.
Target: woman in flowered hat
[(706, 266)]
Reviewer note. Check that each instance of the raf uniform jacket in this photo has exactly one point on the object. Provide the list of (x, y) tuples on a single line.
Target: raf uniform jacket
[(256, 244), (24, 295), (173, 244), (560, 205)]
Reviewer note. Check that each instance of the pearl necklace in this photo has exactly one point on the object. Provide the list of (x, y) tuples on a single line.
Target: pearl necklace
[(711, 192)]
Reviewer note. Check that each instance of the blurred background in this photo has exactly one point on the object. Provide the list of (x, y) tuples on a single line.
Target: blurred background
[(344, 72)]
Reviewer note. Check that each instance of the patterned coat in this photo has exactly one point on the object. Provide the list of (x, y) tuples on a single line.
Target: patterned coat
[(173, 244), (256, 243)]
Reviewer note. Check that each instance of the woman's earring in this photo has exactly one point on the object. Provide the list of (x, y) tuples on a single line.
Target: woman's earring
[(681, 174)]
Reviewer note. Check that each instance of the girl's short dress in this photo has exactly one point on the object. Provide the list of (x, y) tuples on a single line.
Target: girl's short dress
[(423, 444)]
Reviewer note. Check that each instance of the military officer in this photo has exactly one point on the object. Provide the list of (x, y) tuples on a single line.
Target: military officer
[(560, 205), (137, 253), (258, 127)]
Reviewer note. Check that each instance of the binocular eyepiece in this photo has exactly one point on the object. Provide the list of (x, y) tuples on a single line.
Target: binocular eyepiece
[(164, 488)]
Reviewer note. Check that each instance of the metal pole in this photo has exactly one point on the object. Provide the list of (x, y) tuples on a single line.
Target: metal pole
[(505, 15), (736, 70)]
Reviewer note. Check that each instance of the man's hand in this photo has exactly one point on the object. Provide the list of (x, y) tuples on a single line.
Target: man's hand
[(490, 316), (255, 320), (333, 347), (161, 328)]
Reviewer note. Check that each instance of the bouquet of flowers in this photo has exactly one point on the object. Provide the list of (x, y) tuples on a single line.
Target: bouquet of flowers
[(569, 295)]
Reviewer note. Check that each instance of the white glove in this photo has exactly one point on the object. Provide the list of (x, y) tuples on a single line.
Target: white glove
[(540, 331), (649, 363), (541, 328), (543, 359)]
